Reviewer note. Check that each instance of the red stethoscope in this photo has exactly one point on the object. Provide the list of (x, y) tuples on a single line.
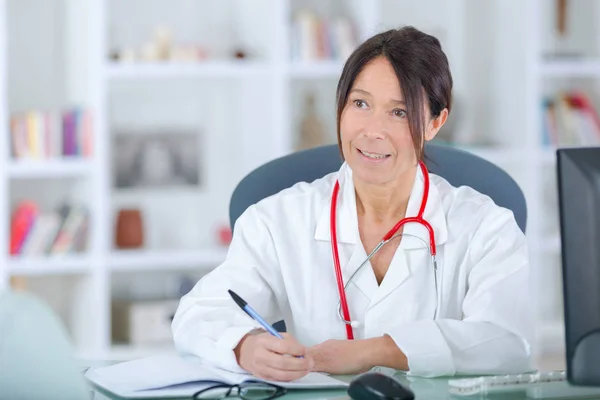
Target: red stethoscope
[(343, 304)]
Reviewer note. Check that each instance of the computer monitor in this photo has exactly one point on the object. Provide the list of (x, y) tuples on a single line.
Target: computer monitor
[(579, 205)]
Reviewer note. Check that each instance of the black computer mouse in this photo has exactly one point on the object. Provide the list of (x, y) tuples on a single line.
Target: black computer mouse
[(375, 385)]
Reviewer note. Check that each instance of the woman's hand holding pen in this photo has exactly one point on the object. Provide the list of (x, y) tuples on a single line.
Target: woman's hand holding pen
[(268, 357)]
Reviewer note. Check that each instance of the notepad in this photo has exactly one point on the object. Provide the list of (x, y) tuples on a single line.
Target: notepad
[(177, 376)]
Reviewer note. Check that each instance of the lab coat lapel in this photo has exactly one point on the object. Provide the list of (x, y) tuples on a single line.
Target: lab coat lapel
[(395, 276), (364, 279)]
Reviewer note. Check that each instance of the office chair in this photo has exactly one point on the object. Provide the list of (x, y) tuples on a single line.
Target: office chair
[(36, 357), (457, 166)]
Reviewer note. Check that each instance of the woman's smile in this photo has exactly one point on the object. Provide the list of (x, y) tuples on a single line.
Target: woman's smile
[(373, 157)]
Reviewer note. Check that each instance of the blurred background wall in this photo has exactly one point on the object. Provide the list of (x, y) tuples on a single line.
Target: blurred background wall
[(128, 123)]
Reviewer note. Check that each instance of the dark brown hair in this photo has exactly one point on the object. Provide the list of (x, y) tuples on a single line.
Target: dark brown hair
[(422, 70)]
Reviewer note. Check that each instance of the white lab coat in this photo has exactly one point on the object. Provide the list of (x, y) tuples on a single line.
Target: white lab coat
[(280, 262)]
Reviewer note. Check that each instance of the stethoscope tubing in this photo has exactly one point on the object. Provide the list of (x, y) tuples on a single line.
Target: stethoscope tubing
[(343, 303)]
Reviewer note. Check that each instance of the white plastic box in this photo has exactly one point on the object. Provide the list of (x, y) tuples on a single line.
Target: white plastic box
[(143, 322)]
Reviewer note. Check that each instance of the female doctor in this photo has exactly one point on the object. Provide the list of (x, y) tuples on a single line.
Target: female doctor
[(466, 313)]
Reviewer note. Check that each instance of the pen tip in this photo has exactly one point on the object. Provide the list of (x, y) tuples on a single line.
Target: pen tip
[(237, 298)]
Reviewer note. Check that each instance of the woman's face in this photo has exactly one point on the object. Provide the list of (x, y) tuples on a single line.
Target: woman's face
[(374, 129)]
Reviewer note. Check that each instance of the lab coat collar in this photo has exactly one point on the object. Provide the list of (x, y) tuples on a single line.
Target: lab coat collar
[(347, 219)]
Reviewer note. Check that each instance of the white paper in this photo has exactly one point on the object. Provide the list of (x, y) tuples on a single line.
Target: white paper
[(312, 380), (166, 375), (156, 372)]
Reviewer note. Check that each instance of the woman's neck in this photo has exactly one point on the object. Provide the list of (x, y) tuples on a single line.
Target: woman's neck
[(384, 203)]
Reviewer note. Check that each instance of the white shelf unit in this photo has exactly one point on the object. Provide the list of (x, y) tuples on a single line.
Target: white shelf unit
[(51, 265), (570, 69), (184, 70), (56, 168), (547, 74), (4, 145), (159, 260), (324, 69), (252, 110)]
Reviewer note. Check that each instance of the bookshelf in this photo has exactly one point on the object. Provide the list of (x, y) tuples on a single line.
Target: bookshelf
[(49, 265), (207, 69), (570, 69), (324, 69), (247, 112), (4, 145), (55, 168), (156, 260), (549, 74)]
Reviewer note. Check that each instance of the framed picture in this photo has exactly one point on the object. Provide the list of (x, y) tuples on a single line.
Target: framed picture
[(156, 159)]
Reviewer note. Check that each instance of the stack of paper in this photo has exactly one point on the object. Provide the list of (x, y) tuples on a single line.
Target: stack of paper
[(175, 376)]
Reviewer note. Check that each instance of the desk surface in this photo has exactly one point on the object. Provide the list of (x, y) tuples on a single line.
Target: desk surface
[(422, 387)]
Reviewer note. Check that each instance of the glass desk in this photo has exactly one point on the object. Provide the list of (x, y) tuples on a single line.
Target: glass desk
[(423, 388)]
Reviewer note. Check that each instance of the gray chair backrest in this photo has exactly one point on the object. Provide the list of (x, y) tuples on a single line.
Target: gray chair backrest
[(457, 166)]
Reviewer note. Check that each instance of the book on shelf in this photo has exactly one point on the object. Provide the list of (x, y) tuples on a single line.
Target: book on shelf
[(315, 38), (35, 233), (570, 120), (51, 134)]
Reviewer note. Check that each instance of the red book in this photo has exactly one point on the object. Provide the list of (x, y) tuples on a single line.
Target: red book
[(21, 224), (580, 100)]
